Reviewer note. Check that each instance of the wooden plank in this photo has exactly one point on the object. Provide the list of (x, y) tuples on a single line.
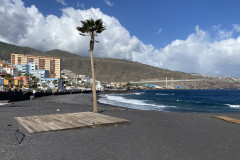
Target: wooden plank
[(69, 120), (38, 123), (32, 123), (228, 119), (65, 121), (25, 124)]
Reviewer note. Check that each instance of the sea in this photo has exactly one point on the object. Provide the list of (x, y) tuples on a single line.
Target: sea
[(199, 101)]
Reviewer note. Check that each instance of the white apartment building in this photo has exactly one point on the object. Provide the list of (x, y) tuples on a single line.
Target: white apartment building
[(11, 70)]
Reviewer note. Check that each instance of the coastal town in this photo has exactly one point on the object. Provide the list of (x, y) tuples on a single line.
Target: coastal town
[(29, 72)]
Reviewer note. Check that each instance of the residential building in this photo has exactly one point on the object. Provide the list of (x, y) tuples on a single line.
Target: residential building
[(6, 82), (41, 74), (42, 63), (99, 86), (3, 65), (50, 83), (11, 70), (20, 81), (32, 66), (23, 68), (2, 72)]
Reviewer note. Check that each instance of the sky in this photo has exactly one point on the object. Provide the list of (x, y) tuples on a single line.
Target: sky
[(193, 36)]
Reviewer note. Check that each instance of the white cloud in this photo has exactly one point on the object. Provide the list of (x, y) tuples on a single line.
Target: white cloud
[(236, 27), (13, 24), (221, 33), (80, 5), (62, 2), (198, 53), (159, 31), (108, 3)]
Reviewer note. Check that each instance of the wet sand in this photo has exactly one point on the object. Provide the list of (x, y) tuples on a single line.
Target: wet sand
[(152, 135)]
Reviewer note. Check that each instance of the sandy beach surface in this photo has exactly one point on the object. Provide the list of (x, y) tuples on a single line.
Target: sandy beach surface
[(152, 135)]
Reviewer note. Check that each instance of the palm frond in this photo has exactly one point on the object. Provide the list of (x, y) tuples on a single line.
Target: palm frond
[(91, 27)]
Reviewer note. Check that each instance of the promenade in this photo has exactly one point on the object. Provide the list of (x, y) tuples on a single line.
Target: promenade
[(152, 135)]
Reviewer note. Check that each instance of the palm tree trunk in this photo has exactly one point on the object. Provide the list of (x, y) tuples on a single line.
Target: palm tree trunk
[(95, 109)]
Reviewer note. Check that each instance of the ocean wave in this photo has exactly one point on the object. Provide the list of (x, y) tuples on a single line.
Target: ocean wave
[(234, 106), (130, 101), (116, 100), (161, 94), (139, 93)]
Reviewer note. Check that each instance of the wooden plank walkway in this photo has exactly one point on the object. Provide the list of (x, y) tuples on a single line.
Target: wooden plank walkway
[(228, 119), (53, 122)]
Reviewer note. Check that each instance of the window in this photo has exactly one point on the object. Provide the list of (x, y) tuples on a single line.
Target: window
[(30, 60), (13, 59), (41, 63), (19, 60)]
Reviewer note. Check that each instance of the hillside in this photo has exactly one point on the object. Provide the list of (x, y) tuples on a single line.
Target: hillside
[(116, 70), (121, 70), (7, 49)]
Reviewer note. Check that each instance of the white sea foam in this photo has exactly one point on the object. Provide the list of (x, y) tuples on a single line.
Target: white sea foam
[(130, 103), (139, 93), (161, 94), (233, 106)]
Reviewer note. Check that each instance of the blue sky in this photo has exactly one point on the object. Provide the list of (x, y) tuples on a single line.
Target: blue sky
[(175, 19), (193, 36)]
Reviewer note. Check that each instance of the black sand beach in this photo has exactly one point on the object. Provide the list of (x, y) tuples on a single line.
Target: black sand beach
[(152, 135)]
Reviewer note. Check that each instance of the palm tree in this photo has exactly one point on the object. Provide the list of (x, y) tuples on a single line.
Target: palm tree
[(35, 81), (28, 77), (92, 28), (44, 85), (55, 82), (19, 73)]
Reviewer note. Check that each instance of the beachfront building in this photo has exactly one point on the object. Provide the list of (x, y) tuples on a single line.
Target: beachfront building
[(41, 74), (117, 85), (7, 82), (3, 65), (32, 66), (15, 81), (99, 86), (21, 80), (51, 83), (11, 70), (24, 69), (2, 74), (42, 63)]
